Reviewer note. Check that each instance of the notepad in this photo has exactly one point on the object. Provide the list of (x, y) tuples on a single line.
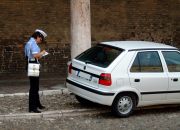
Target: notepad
[(45, 54)]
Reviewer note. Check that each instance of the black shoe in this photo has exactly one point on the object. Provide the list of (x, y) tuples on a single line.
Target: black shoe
[(41, 107), (35, 111)]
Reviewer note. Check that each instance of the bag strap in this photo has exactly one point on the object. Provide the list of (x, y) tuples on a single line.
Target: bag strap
[(29, 52)]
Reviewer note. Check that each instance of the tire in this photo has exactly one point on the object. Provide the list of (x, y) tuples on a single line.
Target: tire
[(124, 105), (84, 101)]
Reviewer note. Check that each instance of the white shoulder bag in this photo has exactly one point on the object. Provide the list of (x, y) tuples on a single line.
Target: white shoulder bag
[(33, 68)]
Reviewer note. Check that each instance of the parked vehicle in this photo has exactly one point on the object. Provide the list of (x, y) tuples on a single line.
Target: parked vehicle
[(126, 75)]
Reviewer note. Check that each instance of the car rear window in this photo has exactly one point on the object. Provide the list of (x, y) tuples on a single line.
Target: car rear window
[(100, 55)]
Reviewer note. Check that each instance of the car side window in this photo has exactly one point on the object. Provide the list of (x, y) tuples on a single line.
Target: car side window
[(172, 59), (147, 62)]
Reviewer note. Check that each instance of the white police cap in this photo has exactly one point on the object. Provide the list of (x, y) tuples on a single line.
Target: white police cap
[(42, 32)]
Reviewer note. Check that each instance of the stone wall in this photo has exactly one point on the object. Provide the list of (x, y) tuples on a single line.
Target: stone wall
[(151, 20)]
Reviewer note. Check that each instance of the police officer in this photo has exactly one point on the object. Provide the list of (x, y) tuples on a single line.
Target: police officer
[(33, 54)]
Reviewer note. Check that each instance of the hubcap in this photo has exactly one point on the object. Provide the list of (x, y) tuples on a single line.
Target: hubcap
[(125, 104)]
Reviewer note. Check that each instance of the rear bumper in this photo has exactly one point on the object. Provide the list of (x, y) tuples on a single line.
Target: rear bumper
[(94, 95)]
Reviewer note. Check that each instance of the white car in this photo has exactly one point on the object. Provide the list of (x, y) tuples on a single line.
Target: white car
[(126, 75)]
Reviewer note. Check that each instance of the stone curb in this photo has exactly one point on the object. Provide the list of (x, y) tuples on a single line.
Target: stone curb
[(41, 93), (52, 114)]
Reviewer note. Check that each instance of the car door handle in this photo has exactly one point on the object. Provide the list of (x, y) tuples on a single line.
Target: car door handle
[(175, 79), (136, 80)]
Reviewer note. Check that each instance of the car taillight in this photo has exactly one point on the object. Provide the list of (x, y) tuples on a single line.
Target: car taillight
[(105, 79), (70, 68)]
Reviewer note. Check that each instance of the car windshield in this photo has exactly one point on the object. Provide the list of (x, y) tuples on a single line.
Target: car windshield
[(100, 55)]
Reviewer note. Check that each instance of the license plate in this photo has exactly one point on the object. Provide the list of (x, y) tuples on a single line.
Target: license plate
[(84, 75)]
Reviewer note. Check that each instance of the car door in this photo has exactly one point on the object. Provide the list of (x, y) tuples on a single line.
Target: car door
[(147, 75), (172, 59)]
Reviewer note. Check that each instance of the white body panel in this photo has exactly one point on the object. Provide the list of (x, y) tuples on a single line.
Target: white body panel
[(174, 86)]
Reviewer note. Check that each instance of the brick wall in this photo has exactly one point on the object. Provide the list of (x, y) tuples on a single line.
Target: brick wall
[(152, 20), (19, 19)]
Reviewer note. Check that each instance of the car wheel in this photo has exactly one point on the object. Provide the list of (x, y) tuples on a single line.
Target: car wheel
[(84, 101), (124, 105)]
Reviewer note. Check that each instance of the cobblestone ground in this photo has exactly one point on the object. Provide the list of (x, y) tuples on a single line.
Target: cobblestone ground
[(19, 104), (143, 119), (158, 119)]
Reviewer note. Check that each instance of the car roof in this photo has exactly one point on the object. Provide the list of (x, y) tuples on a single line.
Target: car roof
[(138, 45)]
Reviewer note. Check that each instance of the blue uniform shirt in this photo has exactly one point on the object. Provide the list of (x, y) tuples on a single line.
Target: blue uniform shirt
[(31, 48)]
